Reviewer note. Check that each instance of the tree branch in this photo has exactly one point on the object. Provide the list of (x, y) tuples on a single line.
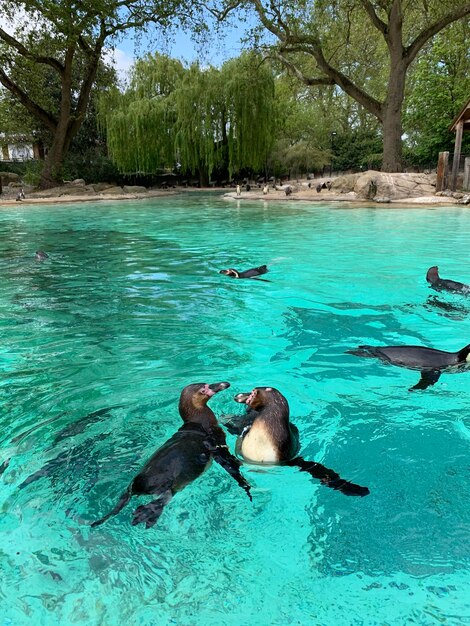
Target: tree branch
[(374, 18), (314, 49), (412, 50), (310, 45), (48, 120), (307, 80), (21, 49)]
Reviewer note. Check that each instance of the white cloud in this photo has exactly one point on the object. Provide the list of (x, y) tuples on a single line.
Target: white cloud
[(120, 60)]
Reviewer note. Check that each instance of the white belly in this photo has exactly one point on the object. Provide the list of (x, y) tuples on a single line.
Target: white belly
[(258, 447)]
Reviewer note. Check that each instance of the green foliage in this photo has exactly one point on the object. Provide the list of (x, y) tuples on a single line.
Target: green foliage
[(249, 109), (439, 88), (51, 68), (364, 47), (91, 165), (32, 172), (204, 119), (357, 150)]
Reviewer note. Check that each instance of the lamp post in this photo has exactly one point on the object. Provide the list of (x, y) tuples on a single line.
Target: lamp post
[(332, 136)]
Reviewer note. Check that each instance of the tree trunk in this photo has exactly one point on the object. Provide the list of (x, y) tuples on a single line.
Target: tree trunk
[(392, 132), (51, 175), (203, 177)]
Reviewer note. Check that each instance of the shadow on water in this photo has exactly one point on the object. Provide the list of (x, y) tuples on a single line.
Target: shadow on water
[(452, 310), (321, 336)]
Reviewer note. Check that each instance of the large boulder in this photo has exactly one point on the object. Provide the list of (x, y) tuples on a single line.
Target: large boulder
[(113, 191), (345, 183), (99, 187), (134, 189), (9, 177), (372, 184)]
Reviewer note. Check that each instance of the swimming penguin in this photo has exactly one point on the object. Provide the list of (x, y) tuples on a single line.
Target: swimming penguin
[(41, 255), (443, 284), (267, 437), (255, 271), (429, 361), (184, 457)]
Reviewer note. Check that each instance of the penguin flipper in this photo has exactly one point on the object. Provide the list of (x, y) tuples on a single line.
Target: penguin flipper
[(231, 465), (328, 477), (237, 423), (428, 378), (149, 514)]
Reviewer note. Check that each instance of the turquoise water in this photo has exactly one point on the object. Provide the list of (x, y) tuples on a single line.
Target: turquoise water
[(99, 340)]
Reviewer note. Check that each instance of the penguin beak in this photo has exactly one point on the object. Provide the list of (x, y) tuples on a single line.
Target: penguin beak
[(216, 387)]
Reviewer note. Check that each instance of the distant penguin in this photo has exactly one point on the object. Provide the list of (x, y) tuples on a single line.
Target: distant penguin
[(265, 189), (248, 187), (319, 187), (443, 284), (254, 271), (41, 255), (238, 190), (328, 184), (288, 190), (182, 458), (430, 362), (267, 437)]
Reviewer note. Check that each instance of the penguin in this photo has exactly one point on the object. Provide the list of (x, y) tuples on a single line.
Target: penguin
[(267, 437), (41, 255), (443, 284), (183, 458), (430, 362), (255, 271)]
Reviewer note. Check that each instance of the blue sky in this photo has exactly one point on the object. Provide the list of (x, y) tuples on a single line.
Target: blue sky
[(225, 46)]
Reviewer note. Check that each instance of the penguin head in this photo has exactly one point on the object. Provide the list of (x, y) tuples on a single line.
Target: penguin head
[(194, 398), (230, 272), (261, 397)]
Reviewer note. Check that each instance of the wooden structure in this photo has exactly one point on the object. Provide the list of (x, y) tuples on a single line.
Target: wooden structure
[(460, 124)]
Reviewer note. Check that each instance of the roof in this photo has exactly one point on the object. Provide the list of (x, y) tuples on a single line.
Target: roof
[(464, 116)]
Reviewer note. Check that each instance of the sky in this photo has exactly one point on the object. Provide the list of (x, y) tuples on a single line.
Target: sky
[(180, 46)]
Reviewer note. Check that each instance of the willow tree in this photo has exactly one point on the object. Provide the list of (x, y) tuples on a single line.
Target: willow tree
[(202, 118), (60, 36), (364, 47), (140, 123)]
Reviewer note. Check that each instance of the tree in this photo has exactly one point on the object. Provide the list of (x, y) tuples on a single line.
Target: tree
[(365, 47), (202, 118), (66, 34)]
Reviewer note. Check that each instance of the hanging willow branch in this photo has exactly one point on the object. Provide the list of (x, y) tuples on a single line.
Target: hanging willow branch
[(202, 118)]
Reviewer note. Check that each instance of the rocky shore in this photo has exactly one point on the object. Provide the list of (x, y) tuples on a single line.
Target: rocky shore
[(371, 188)]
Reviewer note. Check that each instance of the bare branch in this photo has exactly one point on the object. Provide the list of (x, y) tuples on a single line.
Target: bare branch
[(307, 80), (221, 15), (21, 49)]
